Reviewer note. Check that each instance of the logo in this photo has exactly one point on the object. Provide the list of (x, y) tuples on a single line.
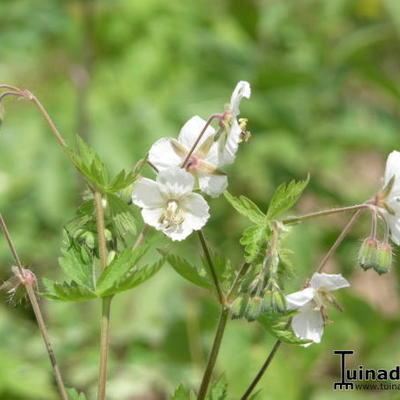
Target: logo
[(350, 378)]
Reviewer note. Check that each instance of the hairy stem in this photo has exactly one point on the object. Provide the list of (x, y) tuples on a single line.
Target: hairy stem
[(38, 314), (213, 271), (214, 353), (106, 302), (319, 269), (323, 213)]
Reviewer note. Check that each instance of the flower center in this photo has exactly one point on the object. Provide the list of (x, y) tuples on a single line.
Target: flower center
[(193, 163), (173, 215)]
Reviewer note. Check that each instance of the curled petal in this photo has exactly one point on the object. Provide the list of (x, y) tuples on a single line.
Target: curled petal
[(328, 281), (242, 89), (299, 299), (229, 147), (213, 185)]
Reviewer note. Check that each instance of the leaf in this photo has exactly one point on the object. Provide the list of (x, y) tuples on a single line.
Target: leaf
[(76, 261), (255, 239), (285, 197), (118, 269), (74, 395), (121, 181), (218, 390), (246, 207), (223, 267), (181, 394), (136, 277), (67, 291), (277, 325), (189, 272), (122, 215)]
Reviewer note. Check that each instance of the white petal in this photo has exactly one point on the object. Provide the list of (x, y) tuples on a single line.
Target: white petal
[(242, 89), (229, 149), (196, 211), (213, 185), (328, 281), (308, 324), (162, 155), (191, 130), (175, 182), (299, 299), (178, 232), (392, 166), (394, 226), (146, 194), (152, 217)]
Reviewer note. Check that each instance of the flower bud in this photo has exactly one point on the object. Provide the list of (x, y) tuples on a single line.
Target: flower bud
[(274, 301), (254, 308), (383, 258), (367, 256), (238, 307)]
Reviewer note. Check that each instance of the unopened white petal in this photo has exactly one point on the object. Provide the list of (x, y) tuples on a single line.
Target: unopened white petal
[(229, 148), (308, 324), (213, 185), (146, 194), (191, 131), (162, 155), (298, 299), (242, 89), (175, 182), (196, 211), (328, 281)]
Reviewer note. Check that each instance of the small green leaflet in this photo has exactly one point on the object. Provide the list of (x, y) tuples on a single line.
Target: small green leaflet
[(67, 291), (223, 268), (246, 207), (121, 181), (182, 394), (74, 395), (285, 197), (118, 269), (218, 390), (189, 272), (254, 239), (277, 325), (76, 261), (122, 215)]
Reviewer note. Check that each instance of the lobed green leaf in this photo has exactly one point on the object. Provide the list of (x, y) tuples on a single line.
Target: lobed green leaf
[(246, 207)]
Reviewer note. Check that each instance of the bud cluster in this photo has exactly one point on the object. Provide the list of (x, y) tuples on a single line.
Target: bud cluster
[(263, 294), (376, 255)]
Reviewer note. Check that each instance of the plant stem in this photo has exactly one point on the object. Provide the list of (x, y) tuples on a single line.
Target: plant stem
[(319, 269), (323, 213), (262, 370), (214, 353), (141, 237), (106, 302), (38, 314), (213, 271)]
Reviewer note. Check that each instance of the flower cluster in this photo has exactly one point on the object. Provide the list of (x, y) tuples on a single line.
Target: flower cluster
[(191, 162)]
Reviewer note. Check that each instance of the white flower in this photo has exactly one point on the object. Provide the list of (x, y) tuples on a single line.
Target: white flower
[(169, 204), (393, 200), (203, 163), (229, 144), (311, 303)]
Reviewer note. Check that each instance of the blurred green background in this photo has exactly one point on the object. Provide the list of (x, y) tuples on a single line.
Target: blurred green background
[(325, 79)]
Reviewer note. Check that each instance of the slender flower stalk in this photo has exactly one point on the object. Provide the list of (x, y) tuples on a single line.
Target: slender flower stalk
[(38, 314), (319, 269)]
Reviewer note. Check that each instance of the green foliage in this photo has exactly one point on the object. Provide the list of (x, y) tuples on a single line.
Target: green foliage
[(218, 390), (279, 327), (67, 291), (189, 272), (255, 239), (119, 269), (285, 197), (223, 268), (74, 395), (121, 216), (182, 394), (246, 207), (76, 261)]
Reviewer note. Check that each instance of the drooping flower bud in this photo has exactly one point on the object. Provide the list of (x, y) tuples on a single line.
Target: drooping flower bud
[(383, 258), (21, 277), (274, 301), (367, 256), (238, 307), (254, 308)]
